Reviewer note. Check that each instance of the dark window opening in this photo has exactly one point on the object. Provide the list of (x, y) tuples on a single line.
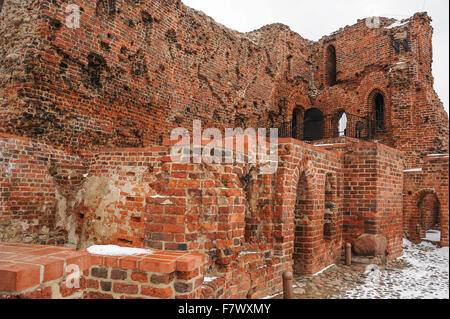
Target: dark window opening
[(397, 44), (379, 112), (331, 66), (313, 125), (1, 5)]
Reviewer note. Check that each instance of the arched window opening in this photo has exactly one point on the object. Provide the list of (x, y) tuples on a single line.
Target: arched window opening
[(342, 125), (331, 69), (313, 125), (379, 112)]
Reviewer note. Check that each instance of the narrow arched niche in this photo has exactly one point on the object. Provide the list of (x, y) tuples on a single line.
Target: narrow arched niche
[(329, 222), (331, 68)]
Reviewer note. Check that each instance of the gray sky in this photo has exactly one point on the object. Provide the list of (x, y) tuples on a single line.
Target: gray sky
[(313, 19)]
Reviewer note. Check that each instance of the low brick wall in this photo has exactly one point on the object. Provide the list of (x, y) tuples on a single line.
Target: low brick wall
[(163, 275), (42, 272), (39, 272)]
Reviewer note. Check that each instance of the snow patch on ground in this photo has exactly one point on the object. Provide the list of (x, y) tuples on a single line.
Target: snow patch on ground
[(271, 297), (433, 235), (112, 250), (323, 270), (426, 278)]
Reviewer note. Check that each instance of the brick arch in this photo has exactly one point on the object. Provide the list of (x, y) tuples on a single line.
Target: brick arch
[(304, 213), (415, 217), (370, 96)]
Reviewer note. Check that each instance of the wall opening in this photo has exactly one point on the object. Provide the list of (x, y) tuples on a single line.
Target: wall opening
[(1, 5), (379, 110), (302, 203), (331, 66), (429, 217), (313, 125), (341, 124), (329, 223)]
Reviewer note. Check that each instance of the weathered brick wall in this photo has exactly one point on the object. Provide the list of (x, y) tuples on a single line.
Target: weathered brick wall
[(135, 70), (37, 184), (303, 208), (431, 179), (121, 78), (122, 75), (372, 191), (138, 197), (389, 209), (157, 277), (112, 199)]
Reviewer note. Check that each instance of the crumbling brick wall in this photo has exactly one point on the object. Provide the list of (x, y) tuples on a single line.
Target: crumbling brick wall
[(135, 70), (37, 184), (429, 180), (367, 62), (122, 75)]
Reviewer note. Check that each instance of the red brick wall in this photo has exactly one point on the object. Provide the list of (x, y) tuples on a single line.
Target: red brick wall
[(372, 191), (122, 77), (36, 184), (431, 181), (416, 121)]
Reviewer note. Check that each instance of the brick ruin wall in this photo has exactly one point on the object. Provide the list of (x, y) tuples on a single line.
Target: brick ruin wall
[(252, 227), (372, 191), (90, 103), (430, 184), (37, 183), (122, 75)]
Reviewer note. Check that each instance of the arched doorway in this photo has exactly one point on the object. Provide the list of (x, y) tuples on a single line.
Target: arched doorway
[(313, 125), (331, 66), (302, 207), (429, 217)]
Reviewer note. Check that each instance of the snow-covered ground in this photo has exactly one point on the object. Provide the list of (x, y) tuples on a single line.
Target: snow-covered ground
[(426, 278)]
